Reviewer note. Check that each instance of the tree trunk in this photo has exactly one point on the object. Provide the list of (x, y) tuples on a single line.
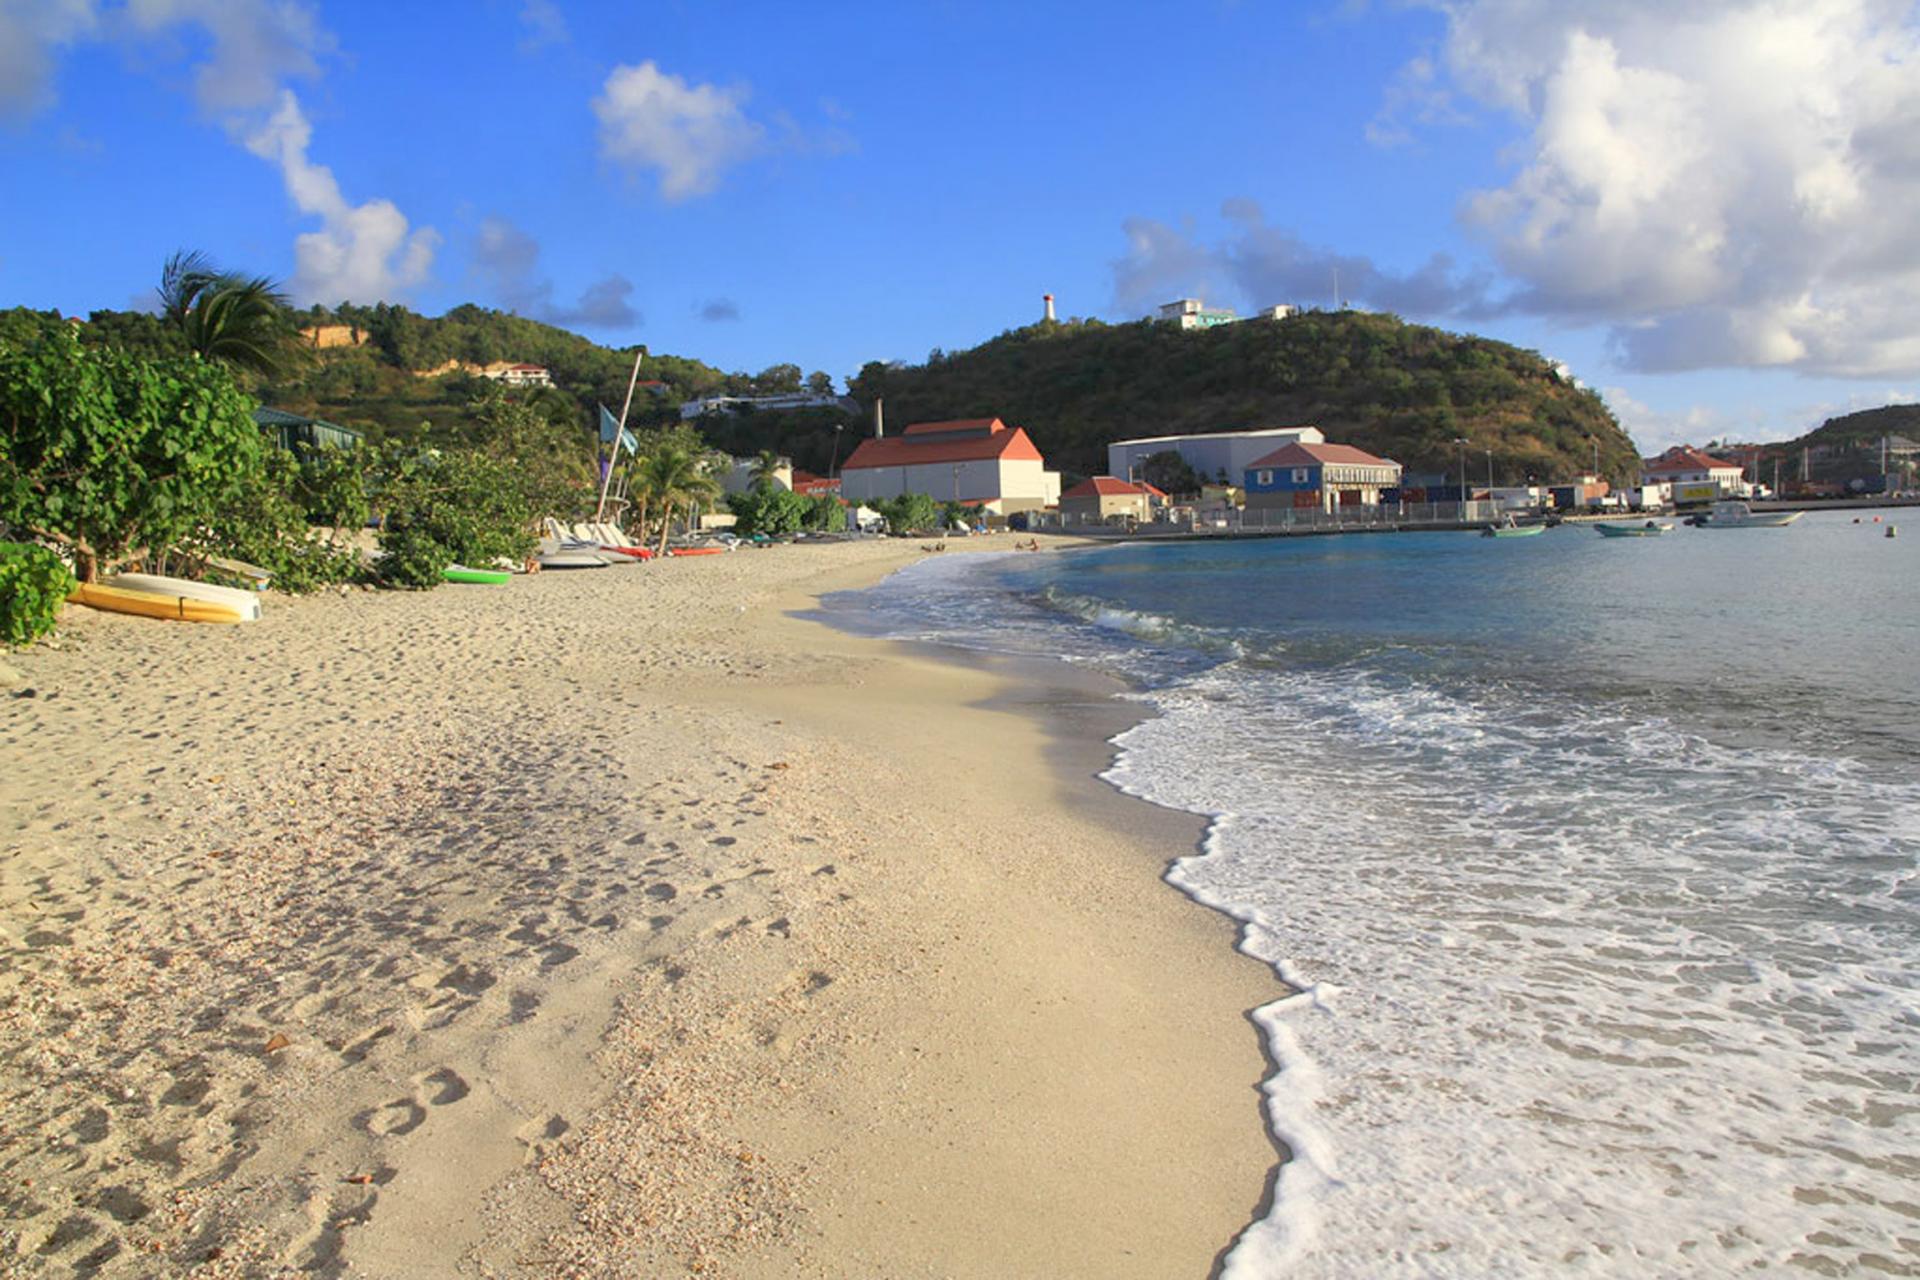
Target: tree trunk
[(666, 522)]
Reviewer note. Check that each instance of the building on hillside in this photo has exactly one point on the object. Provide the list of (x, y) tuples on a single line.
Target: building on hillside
[(325, 336), (1216, 456), (1694, 475), (1319, 477), (518, 375), (975, 461), (1105, 500), (653, 386), (790, 400), (1192, 313), (291, 429)]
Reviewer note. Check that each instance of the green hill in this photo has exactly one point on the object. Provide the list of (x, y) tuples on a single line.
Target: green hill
[(377, 385), (1864, 428), (1404, 391), (1400, 390)]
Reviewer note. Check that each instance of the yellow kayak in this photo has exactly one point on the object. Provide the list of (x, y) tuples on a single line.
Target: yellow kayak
[(148, 604)]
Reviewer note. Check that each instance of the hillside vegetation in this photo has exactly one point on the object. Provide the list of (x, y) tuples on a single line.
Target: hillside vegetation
[(1404, 391), (1400, 390), (376, 386), (1864, 428)]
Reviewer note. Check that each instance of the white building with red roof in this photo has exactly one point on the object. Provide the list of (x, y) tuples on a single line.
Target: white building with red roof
[(1319, 477), (1695, 476), (1104, 498), (974, 460)]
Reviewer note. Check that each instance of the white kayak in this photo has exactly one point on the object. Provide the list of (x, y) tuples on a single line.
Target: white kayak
[(246, 603)]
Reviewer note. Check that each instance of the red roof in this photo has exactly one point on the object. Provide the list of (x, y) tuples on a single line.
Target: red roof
[(807, 482), (1104, 487), (974, 426), (1684, 457), (1158, 493), (1308, 455), (995, 441)]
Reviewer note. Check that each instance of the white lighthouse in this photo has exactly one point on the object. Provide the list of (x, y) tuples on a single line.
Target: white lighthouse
[(1048, 298)]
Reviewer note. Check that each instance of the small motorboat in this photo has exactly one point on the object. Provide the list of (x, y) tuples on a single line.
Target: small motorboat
[(1734, 514), (1511, 528), (1650, 529)]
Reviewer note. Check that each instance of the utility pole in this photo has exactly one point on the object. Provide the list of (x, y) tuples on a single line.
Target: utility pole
[(1461, 443)]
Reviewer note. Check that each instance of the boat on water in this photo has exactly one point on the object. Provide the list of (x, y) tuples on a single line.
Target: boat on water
[(1650, 529), (1734, 514), (1511, 528), (150, 595)]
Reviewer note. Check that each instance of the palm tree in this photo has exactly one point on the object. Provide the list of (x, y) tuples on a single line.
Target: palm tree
[(766, 469), (673, 476), (238, 320)]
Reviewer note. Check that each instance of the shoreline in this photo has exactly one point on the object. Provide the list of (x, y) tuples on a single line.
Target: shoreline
[(666, 907)]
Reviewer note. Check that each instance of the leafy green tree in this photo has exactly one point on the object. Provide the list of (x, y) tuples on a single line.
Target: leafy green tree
[(1168, 471), (242, 321), (777, 379), (442, 507), (770, 511), (820, 383), (107, 454), (909, 513), (33, 585)]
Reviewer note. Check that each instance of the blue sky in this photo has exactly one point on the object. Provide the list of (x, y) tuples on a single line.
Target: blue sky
[(1702, 208)]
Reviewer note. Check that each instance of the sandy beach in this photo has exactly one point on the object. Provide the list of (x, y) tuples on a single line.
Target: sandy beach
[(612, 924)]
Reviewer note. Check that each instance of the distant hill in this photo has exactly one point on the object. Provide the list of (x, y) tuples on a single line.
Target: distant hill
[(367, 373), (1865, 427), (1400, 390)]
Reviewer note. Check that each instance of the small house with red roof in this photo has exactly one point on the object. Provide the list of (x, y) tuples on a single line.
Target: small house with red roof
[(976, 461), (1318, 477), (1104, 499), (1695, 476)]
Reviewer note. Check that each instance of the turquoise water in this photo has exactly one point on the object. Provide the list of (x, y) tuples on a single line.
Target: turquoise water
[(1594, 862)]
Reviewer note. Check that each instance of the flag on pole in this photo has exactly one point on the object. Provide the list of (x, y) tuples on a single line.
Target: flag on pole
[(610, 428)]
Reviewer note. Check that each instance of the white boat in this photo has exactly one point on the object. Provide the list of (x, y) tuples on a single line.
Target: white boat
[(1735, 514), (1649, 529), (244, 603)]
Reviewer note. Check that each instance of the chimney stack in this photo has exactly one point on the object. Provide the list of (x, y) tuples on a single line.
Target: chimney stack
[(1049, 300), (879, 417)]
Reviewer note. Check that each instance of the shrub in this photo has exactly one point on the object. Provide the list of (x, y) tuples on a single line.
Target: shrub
[(109, 454), (448, 506), (33, 585)]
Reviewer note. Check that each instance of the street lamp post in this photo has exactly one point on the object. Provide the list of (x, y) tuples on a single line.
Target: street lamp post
[(1461, 443), (1489, 473), (833, 462)]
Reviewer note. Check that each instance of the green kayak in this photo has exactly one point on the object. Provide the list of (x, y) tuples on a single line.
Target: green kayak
[(460, 573)]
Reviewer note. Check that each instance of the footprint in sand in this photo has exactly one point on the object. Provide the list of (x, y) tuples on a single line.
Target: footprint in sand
[(539, 1135), (440, 1087)]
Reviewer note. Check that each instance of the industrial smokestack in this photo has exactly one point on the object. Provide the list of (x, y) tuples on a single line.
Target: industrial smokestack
[(879, 417), (1049, 301)]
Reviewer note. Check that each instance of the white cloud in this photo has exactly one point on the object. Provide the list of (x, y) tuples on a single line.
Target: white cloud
[(1655, 430), (256, 45), (510, 258), (690, 134), (1728, 184), (31, 34), (544, 23), (361, 253), (1258, 264)]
